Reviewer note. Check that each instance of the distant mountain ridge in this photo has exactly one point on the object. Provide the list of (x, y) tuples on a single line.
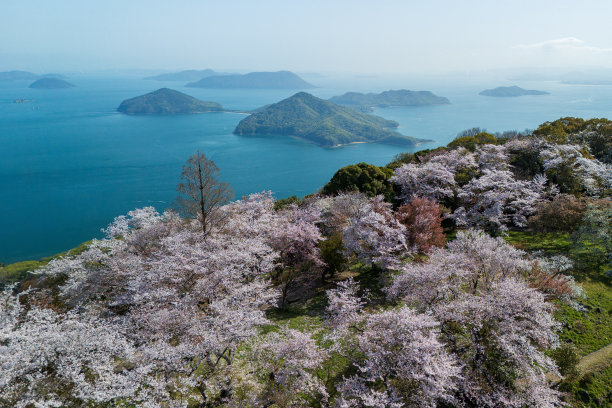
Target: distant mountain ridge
[(187, 75), (166, 101), (254, 80), (401, 97), (321, 122), (511, 91)]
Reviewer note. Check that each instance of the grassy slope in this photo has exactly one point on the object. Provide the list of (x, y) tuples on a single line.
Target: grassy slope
[(20, 271), (588, 330)]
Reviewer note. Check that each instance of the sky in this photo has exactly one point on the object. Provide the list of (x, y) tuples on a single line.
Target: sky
[(382, 36)]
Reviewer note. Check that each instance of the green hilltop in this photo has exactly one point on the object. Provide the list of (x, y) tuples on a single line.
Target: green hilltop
[(166, 101), (321, 122)]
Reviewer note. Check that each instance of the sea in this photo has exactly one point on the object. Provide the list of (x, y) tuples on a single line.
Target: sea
[(70, 163)]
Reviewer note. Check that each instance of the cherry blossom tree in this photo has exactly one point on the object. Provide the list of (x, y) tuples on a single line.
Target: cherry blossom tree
[(496, 198), (491, 320), (57, 359), (279, 370), (402, 363), (374, 235), (423, 220)]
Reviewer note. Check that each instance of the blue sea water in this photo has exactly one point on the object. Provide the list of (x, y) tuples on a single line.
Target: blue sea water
[(69, 163)]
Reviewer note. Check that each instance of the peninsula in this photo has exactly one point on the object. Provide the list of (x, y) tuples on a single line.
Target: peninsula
[(166, 101), (254, 80), (401, 97), (511, 91), (184, 76), (321, 122), (51, 83)]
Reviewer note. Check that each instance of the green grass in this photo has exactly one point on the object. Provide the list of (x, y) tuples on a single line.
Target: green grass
[(21, 271), (549, 243), (589, 328)]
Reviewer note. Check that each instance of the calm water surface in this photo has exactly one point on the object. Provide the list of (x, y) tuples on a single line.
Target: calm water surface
[(69, 163)]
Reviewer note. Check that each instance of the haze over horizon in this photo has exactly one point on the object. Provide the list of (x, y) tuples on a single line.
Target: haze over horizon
[(393, 37)]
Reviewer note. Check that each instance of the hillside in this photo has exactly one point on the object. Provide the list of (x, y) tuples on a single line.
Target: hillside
[(166, 101), (321, 122), (188, 75), (254, 80), (51, 83), (511, 91), (401, 97)]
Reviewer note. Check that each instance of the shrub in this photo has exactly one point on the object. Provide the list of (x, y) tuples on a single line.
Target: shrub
[(470, 142), (331, 253), (365, 178), (563, 214)]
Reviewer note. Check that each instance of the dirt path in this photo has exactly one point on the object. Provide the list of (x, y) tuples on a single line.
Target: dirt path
[(596, 360)]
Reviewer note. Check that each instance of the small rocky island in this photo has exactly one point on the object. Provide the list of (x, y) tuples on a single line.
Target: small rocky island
[(401, 97), (166, 101), (321, 122), (51, 83), (511, 91), (184, 76), (254, 80)]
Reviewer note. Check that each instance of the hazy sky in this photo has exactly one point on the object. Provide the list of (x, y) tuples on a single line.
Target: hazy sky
[(378, 36)]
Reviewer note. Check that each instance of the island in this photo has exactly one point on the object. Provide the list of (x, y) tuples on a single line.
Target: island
[(51, 83), (166, 101), (184, 76), (402, 97), (321, 122), (18, 76), (511, 91), (254, 80)]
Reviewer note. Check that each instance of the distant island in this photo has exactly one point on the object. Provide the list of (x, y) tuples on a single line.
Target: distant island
[(511, 91), (25, 76), (254, 80), (51, 83), (184, 76), (587, 82), (166, 101), (18, 76), (401, 97), (321, 122)]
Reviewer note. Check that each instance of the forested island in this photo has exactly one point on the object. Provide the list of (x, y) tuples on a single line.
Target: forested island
[(476, 274), (321, 122), (511, 91), (184, 76), (254, 80), (51, 83), (401, 97), (166, 101)]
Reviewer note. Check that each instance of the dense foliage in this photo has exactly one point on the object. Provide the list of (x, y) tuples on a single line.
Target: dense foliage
[(366, 178)]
